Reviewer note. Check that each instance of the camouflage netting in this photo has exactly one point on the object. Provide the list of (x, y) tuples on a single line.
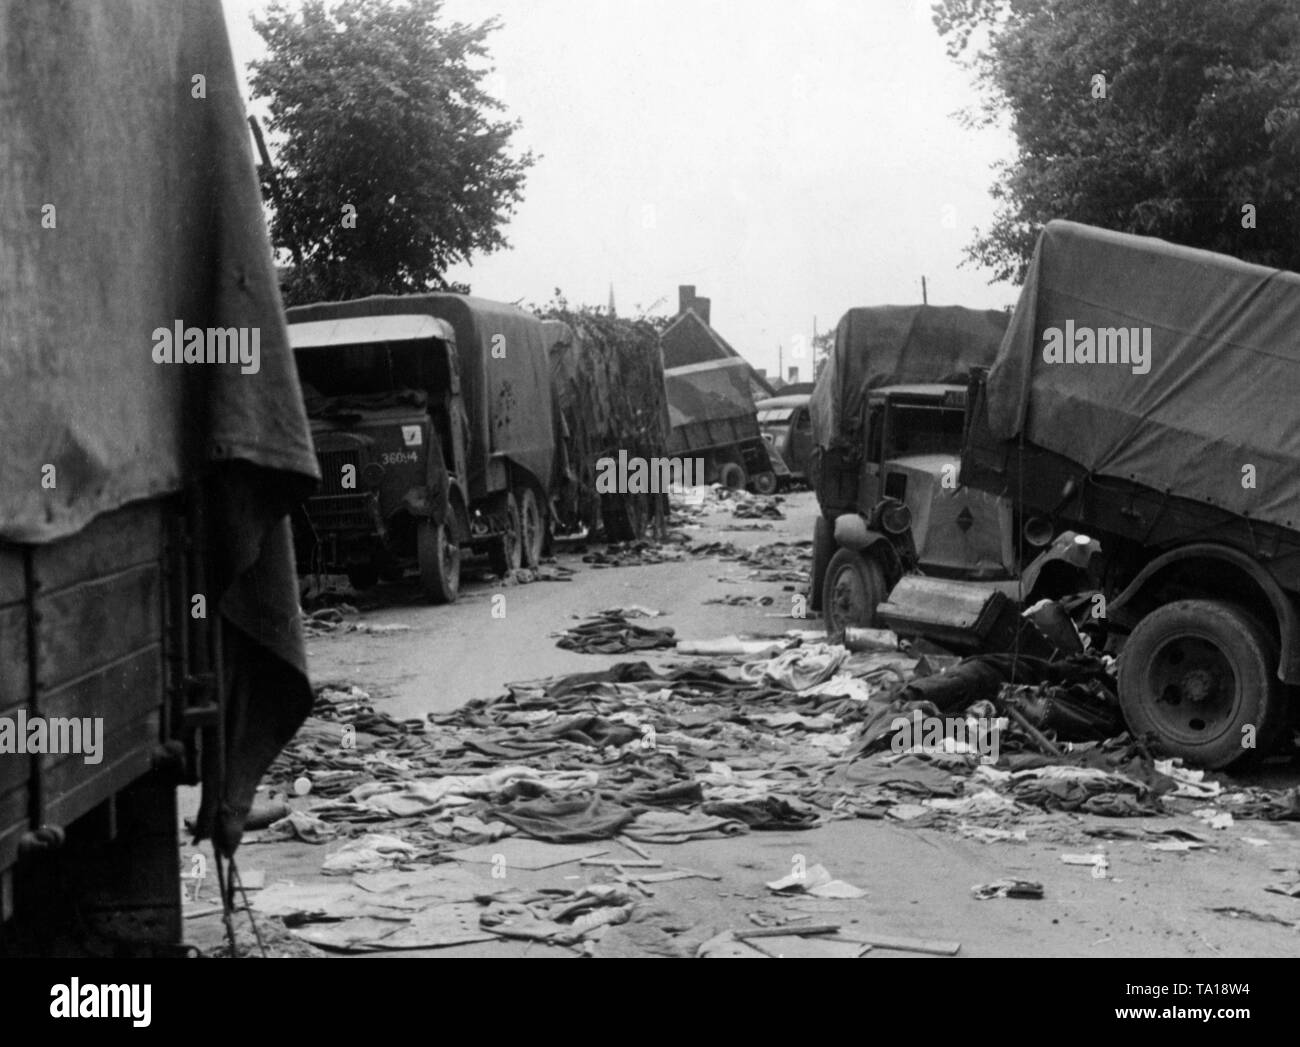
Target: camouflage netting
[(607, 377)]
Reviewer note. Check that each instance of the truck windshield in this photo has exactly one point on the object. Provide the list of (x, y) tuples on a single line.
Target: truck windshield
[(923, 429), (373, 369), (775, 414)]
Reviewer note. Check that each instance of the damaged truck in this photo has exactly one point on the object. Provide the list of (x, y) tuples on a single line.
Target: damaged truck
[(432, 420), (607, 379), (714, 421), (899, 540), (888, 411), (1145, 393)]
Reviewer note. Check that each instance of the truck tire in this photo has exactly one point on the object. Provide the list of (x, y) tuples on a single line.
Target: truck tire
[(732, 476), (853, 589), (505, 553), (532, 528), (1197, 675), (823, 548), (439, 558), (764, 483)]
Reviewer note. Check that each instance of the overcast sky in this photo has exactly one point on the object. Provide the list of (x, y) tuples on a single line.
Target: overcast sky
[(791, 161)]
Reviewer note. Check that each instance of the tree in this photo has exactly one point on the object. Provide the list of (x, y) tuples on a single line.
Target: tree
[(391, 166), (1170, 118)]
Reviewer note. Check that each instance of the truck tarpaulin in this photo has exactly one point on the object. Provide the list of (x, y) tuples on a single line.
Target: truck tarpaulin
[(132, 207), (896, 345), (711, 391), (504, 374), (1216, 390)]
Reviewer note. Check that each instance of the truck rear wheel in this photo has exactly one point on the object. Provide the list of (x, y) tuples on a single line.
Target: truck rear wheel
[(532, 529), (506, 550), (1200, 676), (765, 483), (439, 559), (854, 588), (732, 476)]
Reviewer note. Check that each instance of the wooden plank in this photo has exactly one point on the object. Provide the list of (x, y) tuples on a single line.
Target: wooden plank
[(72, 788), (13, 823), (116, 541), (788, 929), (119, 692), (92, 624), (13, 658), (15, 770), (13, 582)]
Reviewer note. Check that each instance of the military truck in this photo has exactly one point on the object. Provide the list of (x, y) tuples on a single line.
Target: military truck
[(713, 419), (899, 540), (786, 424), (432, 421), (1145, 393), (154, 441), (607, 377)]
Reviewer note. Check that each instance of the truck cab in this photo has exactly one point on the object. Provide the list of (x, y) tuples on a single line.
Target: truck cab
[(786, 424), (383, 397), (897, 506)]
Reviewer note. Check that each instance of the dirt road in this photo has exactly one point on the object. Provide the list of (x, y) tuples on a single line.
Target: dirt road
[(917, 880)]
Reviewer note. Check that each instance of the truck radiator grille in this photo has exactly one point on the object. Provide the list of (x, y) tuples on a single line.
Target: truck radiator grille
[(341, 512), (331, 470)]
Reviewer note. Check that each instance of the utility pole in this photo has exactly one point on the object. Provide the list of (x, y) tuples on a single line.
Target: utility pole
[(924, 299)]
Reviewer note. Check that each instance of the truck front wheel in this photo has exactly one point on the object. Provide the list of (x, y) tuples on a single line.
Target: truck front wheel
[(1200, 677), (438, 556), (854, 588)]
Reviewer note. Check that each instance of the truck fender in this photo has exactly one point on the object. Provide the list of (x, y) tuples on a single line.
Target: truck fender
[(852, 532), (1288, 669)]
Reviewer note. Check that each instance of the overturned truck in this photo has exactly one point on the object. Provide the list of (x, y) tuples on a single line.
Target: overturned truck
[(715, 423), (1145, 393)]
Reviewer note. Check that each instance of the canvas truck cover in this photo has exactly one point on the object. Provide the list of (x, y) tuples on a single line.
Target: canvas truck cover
[(896, 345), (1223, 380), (706, 392), (132, 207), (504, 374)]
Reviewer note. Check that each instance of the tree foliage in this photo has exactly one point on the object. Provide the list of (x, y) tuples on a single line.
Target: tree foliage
[(392, 163), (1201, 116)]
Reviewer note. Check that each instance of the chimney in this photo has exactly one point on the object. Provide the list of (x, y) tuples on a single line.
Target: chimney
[(793, 378), (687, 299)]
